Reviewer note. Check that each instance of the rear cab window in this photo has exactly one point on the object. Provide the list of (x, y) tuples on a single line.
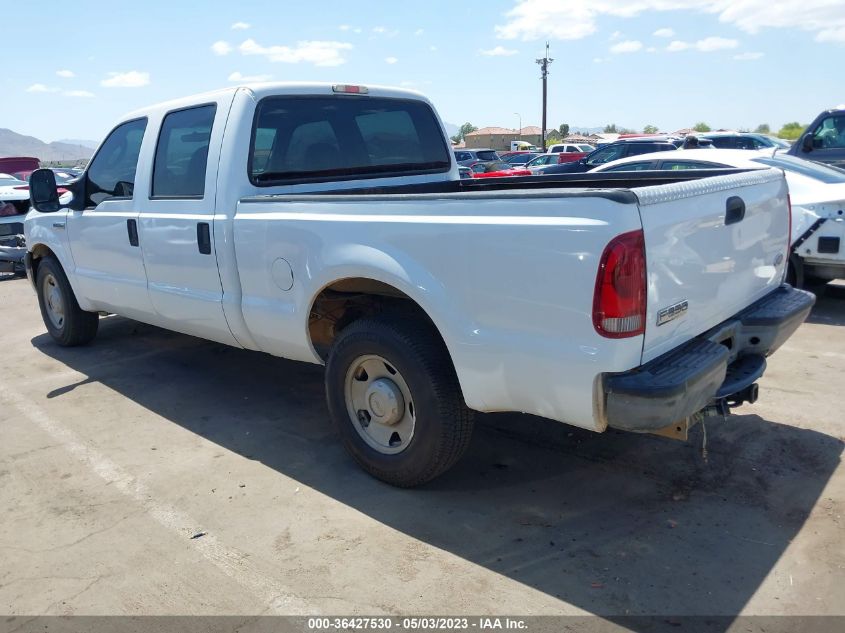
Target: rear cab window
[(309, 139)]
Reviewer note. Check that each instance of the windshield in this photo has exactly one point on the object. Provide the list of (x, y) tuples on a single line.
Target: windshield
[(824, 173)]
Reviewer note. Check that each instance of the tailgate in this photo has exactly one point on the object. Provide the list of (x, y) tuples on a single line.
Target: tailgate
[(713, 246)]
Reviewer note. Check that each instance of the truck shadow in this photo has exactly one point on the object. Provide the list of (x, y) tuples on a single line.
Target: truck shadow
[(614, 524), (830, 305)]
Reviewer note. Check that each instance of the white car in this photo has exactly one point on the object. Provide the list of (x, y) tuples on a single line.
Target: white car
[(14, 192), (817, 193), (329, 224), (14, 203)]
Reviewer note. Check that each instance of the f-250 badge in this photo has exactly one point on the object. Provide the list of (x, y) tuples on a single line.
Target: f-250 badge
[(672, 312)]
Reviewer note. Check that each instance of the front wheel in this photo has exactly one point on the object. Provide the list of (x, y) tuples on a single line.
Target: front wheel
[(395, 400), (66, 322)]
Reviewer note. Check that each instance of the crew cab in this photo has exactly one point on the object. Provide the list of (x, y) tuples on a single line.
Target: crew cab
[(328, 224)]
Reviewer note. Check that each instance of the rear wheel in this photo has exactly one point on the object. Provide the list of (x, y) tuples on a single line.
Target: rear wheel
[(66, 322), (395, 400)]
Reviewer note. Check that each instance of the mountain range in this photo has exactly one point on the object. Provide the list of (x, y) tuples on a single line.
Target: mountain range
[(14, 144)]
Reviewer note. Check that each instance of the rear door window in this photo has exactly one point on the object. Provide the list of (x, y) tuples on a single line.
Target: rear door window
[(182, 153), (675, 165), (304, 139), (639, 166)]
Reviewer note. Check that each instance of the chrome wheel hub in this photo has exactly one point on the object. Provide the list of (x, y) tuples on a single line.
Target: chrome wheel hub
[(379, 404), (53, 301)]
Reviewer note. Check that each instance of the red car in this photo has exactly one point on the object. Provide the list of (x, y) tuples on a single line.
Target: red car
[(496, 169)]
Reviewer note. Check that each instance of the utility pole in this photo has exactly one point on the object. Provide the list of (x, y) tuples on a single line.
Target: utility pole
[(544, 66)]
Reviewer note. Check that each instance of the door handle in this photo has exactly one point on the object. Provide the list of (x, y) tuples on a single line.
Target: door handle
[(132, 229), (204, 238), (734, 210)]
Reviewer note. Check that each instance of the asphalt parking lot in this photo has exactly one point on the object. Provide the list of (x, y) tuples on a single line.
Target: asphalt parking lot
[(156, 473)]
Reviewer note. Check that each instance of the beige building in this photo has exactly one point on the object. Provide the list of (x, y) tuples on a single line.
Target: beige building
[(499, 138)]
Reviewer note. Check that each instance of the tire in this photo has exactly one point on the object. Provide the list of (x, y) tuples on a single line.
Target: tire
[(440, 423), (66, 322)]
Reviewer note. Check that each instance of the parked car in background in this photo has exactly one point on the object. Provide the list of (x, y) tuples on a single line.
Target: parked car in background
[(742, 140), (817, 193), (519, 158), (824, 139), (14, 193), (496, 169), (14, 203), (570, 152), (613, 151), (464, 171), (469, 156), (12, 164), (542, 160)]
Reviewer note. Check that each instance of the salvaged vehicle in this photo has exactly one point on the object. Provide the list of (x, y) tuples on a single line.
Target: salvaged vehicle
[(824, 139), (328, 224)]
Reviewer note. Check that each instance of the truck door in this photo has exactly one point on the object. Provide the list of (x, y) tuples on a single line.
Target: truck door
[(177, 223), (103, 237)]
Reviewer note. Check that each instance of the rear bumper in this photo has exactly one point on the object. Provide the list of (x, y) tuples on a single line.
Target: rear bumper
[(12, 258), (716, 365)]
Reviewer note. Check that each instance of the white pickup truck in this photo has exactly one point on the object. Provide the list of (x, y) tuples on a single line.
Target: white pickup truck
[(328, 224)]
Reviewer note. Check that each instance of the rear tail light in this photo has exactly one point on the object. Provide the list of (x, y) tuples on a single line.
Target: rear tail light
[(619, 303), (22, 187)]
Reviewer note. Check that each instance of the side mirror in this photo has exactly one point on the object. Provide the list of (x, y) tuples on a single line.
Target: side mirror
[(43, 193), (807, 143)]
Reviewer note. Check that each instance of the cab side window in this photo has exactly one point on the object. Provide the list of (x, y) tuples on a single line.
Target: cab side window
[(182, 153), (830, 134), (112, 172)]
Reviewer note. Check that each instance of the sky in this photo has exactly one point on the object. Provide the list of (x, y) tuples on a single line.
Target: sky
[(73, 72)]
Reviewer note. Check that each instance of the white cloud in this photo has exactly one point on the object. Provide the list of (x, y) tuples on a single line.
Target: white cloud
[(615, 36), (390, 60), (707, 45), (710, 44), (379, 29), (78, 93), (131, 79), (241, 26), (419, 32), (432, 48), (597, 60), (238, 77), (651, 49), (748, 56), (498, 51), (221, 48), (575, 19), (318, 53), (41, 88), (66, 74), (664, 33), (628, 46)]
